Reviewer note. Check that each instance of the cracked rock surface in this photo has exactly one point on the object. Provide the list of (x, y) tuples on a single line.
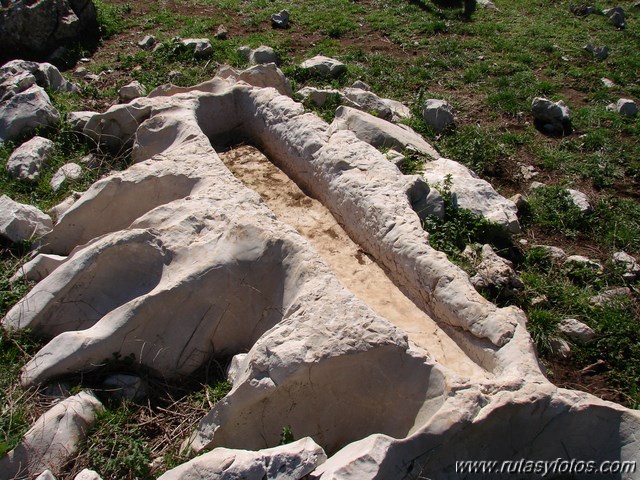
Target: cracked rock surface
[(186, 255)]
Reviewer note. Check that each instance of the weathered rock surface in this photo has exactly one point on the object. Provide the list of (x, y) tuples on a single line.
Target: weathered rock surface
[(324, 66), (69, 171), (601, 53), (580, 200), (53, 439), (259, 56), (576, 330), (20, 222), (46, 475), (178, 225), (293, 461), (628, 263), (36, 29), (26, 161), (626, 106), (438, 115), (380, 133), (495, 272), (131, 91), (78, 120), (280, 19), (38, 268), (87, 474), (147, 43), (551, 118), (473, 193), (26, 111), (369, 102), (200, 47)]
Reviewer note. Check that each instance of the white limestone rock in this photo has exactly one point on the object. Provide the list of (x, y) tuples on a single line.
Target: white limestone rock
[(320, 96), (361, 85), (380, 133), (201, 47), (438, 115), (582, 261), (26, 161), (54, 437), (580, 200), (69, 171), (20, 222), (628, 263), (26, 111), (396, 157), (87, 474), (236, 366), (399, 110), (177, 225), (324, 66), (38, 268), (267, 75), (576, 330), (44, 74), (473, 193), (78, 120), (293, 461), (495, 272), (258, 56), (131, 91), (368, 102)]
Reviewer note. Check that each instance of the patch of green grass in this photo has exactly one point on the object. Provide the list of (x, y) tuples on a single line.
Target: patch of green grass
[(112, 17), (460, 227)]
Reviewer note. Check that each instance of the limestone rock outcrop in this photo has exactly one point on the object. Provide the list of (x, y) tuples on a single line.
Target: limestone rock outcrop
[(186, 262), (53, 439)]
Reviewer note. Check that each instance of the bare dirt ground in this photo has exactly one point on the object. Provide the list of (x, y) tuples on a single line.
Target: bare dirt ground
[(353, 267)]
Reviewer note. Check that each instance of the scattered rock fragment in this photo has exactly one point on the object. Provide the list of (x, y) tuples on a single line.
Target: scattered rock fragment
[(559, 347), (54, 437), (27, 160), (20, 222), (280, 19), (576, 330), (601, 53), (87, 474), (320, 96), (624, 106), (607, 82), (69, 171), (582, 261), (148, 42), (369, 102), (495, 272), (259, 56), (26, 111), (616, 16), (438, 115), (324, 66), (520, 201), (580, 200), (201, 47), (38, 268), (78, 120), (131, 91), (221, 33), (488, 4), (609, 295), (361, 85), (629, 264), (552, 118)]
